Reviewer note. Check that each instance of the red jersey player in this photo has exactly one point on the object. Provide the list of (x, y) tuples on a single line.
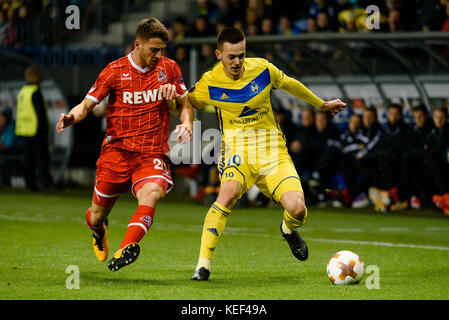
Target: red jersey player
[(133, 151)]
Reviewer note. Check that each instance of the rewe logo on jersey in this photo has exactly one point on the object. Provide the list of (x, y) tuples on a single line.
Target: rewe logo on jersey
[(248, 111), (138, 97)]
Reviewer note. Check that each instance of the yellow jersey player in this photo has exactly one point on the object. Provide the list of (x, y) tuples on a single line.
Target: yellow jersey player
[(253, 146)]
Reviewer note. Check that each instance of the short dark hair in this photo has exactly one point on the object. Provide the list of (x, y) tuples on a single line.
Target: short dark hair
[(232, 35), (151, 28), (421, 108), (442, 110), (395, 106), (372, 109)]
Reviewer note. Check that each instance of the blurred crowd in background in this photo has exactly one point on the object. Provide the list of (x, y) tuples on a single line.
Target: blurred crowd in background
[(208, 17), (393, 165)]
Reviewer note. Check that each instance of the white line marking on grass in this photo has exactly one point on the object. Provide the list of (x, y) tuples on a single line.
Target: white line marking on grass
[(381, 244), (347, 230), (18, 218), (370, 243), (436, 228), (393, 229)]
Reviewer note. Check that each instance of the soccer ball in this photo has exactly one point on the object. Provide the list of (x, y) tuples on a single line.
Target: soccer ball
[(345, 267)]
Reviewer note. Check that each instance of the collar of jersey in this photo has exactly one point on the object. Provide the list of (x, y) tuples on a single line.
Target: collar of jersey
[(143, 70)]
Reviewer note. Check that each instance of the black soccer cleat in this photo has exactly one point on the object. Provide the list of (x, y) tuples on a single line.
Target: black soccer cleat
[(202, 274), (297, 245), (124, 257)]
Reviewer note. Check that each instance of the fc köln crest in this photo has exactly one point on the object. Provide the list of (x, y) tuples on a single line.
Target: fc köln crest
[(161, 77)]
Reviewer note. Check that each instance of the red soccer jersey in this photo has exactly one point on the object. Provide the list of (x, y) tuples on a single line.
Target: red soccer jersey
[(137, 116)]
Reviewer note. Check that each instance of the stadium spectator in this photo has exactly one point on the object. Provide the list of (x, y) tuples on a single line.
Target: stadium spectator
[(239, 25), (33, 126), (11, 148), (179, 28), (432, 14), (322, 22), (431, 150), (207, 54), (311, 25), (301, 148), (330, 8), (237, 10), (254, 11), (201, 28), (361, 173), (286, 124), (224, 14), (207, 9), (7, 127), (413, 182), (325, 142), (252, 29), (439, 158), (285, 26), (267, 26), (128, 161), (338, 156), (391, 147)]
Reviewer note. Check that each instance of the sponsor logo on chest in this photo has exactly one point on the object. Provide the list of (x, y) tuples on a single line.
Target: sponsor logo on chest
[(138, 97)]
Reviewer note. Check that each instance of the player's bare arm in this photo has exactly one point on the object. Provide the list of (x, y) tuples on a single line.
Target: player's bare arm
[(168, 91), (186, 116), (75, 115)]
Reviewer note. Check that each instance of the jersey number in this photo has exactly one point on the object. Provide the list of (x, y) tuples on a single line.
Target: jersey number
[(159, 165)]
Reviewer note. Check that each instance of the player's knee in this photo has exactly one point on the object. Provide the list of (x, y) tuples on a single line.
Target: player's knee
[(228, 196), (150, 194), (298, 210)]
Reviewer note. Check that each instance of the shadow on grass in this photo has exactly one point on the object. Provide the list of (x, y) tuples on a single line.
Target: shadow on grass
[(182, 279)]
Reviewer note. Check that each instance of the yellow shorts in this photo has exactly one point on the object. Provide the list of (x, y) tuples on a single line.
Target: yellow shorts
[(273, 179)]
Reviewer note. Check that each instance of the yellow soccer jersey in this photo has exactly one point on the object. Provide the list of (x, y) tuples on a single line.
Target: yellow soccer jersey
[(244, 110)]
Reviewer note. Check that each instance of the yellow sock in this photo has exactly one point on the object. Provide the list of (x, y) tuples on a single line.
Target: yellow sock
[(214, 225), (289, 224)]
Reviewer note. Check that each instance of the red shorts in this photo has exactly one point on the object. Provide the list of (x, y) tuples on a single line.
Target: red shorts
[(119, 171)]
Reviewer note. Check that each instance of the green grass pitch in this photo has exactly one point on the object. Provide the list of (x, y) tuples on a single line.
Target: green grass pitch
[(43, 234)]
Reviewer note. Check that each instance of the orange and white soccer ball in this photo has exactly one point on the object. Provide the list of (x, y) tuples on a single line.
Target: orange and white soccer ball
[(345, 267)]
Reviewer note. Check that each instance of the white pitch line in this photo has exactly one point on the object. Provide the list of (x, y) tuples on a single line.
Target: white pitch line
[(347, 230), (393, 229), (381, 244), (247, 232), (371, 243)]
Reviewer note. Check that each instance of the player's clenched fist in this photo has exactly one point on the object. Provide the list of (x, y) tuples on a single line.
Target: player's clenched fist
[(333, 106), (168, 91), (64, 122)]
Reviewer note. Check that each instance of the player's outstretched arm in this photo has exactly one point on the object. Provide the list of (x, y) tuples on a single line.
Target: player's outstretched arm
[(75, 115), (296, 88), (186, 116)]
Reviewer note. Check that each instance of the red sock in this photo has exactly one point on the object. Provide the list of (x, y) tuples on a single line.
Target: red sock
[(138, 226), (393, 193), (98, 230)]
